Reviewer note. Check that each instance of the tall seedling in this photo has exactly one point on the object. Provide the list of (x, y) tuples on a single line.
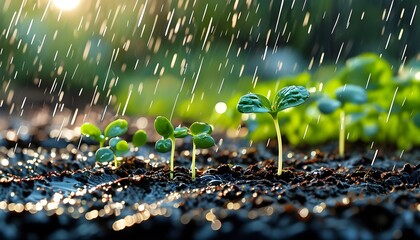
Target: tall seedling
[(287, 97), (345, 94)]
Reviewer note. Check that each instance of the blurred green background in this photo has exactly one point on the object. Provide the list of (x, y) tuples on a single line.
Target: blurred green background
[(192, 60)]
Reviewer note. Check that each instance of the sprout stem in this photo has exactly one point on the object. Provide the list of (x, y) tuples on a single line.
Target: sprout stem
[(342, 133), (115, 162), (279, 142), (193, 162), (171, 173)]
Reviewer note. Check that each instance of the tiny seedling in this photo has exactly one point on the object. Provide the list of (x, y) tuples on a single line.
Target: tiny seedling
[(164, 127), (287, 97), (118, 147), (345, 94), (200, 133)]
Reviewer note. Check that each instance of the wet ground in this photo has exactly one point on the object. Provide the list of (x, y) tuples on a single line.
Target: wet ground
[(54, 190)]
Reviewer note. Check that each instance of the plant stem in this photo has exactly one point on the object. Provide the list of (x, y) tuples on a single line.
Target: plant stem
[(193, 163), (342, 133), (115, 162), (171, 173), (279, 142), (102, 141)]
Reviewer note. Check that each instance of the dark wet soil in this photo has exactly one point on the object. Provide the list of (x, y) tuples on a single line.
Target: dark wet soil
[(59, 193)]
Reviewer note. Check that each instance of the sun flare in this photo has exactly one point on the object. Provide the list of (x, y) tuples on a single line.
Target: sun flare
[(66, 5)]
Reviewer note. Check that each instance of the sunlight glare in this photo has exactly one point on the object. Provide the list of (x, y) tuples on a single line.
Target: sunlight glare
[(66, 5), (220, 107)]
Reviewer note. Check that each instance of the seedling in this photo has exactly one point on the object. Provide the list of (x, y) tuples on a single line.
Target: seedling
[(164, 127), (200, 133), (287, 97), (118, 147), (345, 94)]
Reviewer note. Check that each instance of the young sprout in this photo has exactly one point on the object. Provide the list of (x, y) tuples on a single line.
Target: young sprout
[(345, 94), (164, 127), (118, 147), (200, 133), (287, 97)]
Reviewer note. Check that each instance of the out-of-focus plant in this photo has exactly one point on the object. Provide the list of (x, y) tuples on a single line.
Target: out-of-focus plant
[(118, 147), (345, 94)]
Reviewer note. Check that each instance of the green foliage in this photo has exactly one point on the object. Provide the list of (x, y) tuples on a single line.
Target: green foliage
[(287, 97), (254, 103), (367, 70), (352, 94), (163, 145), (416, 120), (199, 131), (104, 154), (116, 128), (199, 128), (92, 131), (139, 138), (203, 140), (344, 94), (318, 121), (180, 132), (328, 105), (164, 127), (118, 147)]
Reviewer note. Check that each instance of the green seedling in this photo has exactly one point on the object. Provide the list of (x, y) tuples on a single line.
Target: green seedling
[(200, 133), (287, 97), (118, 147), (345, 94), (164, 127)]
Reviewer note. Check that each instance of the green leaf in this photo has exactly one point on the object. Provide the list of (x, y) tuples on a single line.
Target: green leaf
[(327, 105), (371, 129), (200, 127), (290, 96), (416, 120), (253, 103), (104, 155), (164, 127), (92, 131), (180, 132), (113, 142), (351, 93), (203, 140), (139, 138), (163, 145), (122, 148), (116, 128), (367, 66)]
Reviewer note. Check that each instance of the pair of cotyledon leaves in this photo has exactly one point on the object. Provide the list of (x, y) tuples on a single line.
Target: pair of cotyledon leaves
[(345, 94), (287, 97), (117, 145), (199, 131)]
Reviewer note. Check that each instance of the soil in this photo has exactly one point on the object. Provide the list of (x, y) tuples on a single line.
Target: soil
[(51, 190)]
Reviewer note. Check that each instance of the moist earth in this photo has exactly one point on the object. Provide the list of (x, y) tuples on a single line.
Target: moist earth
[(54, 191)]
